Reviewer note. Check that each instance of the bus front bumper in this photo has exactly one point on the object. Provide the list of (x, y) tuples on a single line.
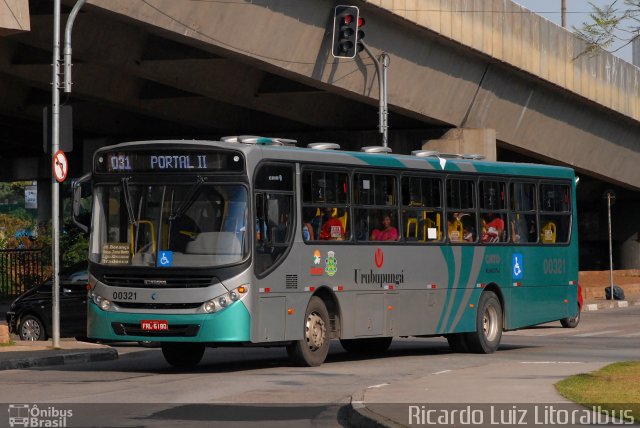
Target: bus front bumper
[(229, 325)]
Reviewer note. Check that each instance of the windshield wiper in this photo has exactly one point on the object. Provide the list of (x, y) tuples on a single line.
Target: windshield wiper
[(186, 201), (127, 200)]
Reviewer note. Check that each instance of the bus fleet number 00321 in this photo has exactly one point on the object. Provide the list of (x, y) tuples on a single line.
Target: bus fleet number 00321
[(124, 295)]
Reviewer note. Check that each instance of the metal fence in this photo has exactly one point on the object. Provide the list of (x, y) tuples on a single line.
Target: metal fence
[(19, 270)]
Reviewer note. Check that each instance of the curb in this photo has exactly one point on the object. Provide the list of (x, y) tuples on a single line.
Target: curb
[(359, 416), (67, 357), (609, 304)]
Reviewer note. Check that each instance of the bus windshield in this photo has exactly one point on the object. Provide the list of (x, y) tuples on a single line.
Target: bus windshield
[(160, 225)]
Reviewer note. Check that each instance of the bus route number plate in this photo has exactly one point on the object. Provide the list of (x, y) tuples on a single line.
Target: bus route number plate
[(154, 325)]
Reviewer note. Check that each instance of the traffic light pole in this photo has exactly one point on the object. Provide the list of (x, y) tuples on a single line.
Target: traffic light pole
[(382, 65), (55, 146), (55, 187)]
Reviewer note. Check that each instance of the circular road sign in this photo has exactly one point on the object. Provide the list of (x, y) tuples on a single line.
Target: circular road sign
[(60, 166)]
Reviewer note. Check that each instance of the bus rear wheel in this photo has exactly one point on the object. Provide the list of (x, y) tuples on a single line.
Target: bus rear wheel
[(312, 350), (571, 322), (183, 355), (486, 338), (375, 345)]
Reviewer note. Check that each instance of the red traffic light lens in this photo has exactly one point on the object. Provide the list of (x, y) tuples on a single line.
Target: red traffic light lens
[(360, 21), (347, 19)]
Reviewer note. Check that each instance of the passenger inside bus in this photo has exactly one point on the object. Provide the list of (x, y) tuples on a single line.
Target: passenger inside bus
[(519, 229), (492, 228), (387, 232), (332, 228), (307, 231), (458, 229)]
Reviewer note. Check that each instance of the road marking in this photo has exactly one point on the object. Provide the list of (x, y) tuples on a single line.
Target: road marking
[(378, 386), (597, 333), (551, 362), (631, 335), (441, 372)]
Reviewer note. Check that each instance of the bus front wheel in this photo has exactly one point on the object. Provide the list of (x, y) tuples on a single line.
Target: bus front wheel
[(486, 338), (183, 355), (312, 350)]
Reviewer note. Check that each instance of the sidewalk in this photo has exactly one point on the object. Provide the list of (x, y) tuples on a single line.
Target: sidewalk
[(22, 354)]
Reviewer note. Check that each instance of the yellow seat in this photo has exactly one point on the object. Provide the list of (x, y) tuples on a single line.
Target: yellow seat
[(412, 222), (153, 236), (343, 221), (430, 223), (548, 233)]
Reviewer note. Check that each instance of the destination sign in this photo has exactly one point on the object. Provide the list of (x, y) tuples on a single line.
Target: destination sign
[(118, 161)]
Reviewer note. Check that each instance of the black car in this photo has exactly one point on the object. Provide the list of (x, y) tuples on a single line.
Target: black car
[(29, 315)]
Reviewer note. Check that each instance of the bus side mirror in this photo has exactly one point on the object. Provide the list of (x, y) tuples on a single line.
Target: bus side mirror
[(80, 216)]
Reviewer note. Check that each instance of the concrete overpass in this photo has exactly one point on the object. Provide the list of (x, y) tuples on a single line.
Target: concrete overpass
[(179, 68)]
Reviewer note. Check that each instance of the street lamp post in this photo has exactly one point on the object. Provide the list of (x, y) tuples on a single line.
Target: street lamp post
[(55, 189), (55, 147)]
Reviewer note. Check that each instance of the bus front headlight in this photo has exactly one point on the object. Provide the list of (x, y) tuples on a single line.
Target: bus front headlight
[(220, 302), (100, 301)]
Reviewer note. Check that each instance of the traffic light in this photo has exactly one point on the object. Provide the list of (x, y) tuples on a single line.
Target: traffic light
[(345, 31), (360, 36)]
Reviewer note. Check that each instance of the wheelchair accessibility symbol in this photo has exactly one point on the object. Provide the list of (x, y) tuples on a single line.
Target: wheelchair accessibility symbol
[(517, 268), (165, 258)]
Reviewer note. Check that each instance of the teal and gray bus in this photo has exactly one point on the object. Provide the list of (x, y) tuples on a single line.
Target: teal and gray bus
[(252, 241)]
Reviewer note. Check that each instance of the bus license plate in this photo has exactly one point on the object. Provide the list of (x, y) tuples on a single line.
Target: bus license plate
[(154, 325)]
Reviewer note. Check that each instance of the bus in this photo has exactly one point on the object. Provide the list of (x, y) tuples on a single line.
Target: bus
[(253, 241)]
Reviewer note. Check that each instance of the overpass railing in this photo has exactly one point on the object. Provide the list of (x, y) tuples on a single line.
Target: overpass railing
[(19, 270)]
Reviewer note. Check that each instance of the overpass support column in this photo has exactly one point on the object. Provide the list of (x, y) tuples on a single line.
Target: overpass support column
[(627, 235), (466, 141)]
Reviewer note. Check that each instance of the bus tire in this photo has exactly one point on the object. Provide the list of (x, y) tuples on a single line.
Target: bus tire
[(374, 345), (312, 350), (486, 338), (457, 342), (183, 355), (571, 322)]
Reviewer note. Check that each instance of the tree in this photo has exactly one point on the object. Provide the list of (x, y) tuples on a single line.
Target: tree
[(618, 21)]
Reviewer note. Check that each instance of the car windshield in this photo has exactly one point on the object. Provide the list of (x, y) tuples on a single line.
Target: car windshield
[(167, 226)]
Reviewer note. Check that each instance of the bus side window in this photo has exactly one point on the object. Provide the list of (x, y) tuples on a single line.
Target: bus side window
[(555, 213), (325, 213)]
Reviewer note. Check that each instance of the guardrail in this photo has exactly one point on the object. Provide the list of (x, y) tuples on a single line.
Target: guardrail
[(19, 270)]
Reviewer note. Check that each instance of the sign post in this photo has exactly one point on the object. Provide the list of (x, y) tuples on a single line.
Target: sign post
[(610, 197), (55, 190)]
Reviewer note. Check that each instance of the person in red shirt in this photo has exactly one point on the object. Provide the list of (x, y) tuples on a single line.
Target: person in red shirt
[(387, 233), (493, 228), (332, 229)]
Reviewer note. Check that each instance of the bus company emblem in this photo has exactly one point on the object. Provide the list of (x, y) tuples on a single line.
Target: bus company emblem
[(379, 258), (331, 264), (316, 269)]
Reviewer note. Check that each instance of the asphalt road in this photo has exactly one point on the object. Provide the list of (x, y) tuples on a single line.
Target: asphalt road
[(251, 386)]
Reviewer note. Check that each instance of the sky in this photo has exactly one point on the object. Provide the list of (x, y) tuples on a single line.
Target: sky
[(577, 13)]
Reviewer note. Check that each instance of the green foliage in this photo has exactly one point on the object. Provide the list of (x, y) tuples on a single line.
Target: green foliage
[(614, 387), (74, 244), (609, 24), (9, 225)]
